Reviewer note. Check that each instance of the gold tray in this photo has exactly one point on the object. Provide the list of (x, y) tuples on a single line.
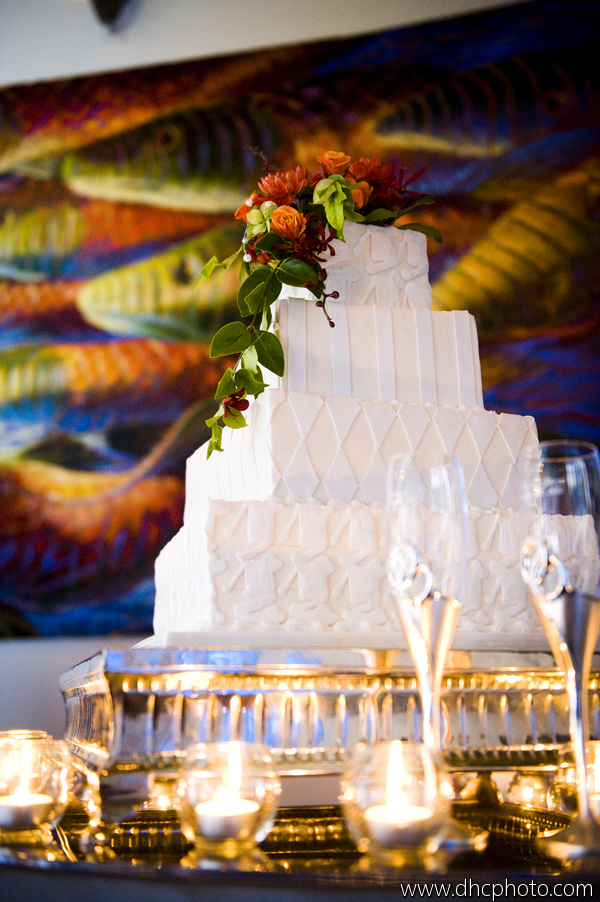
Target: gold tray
[(317, 838)]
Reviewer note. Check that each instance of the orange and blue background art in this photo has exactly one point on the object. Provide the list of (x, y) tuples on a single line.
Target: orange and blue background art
[(115, 189)]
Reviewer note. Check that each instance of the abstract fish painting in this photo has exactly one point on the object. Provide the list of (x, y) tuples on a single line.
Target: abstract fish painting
[(116, 189)]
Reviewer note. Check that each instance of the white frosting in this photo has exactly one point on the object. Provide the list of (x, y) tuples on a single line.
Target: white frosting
[(337, 449), (380, 353), (396, 274), (296, 566)]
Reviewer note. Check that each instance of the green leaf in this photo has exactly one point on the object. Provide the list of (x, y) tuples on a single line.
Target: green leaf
[(335, 193), (261, 298), (324, 187), (267, 242), (260, 288), (215, 442), (247, 379), (259, 381), (230, 339), (334, 210), (266, 318), (352, 215), (428, 230), (270, 353), (235, 419), (227, 386), (297, 273), (255, 280), (212, 421), (208, 268), (417, 202), (229, 261), (381, 215), (249, 359), (323, 191)]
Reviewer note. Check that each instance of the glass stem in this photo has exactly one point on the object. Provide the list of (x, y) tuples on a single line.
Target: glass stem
[(577, 688)]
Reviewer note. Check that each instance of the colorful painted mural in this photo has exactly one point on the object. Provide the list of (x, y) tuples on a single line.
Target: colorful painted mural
[(116, 189)]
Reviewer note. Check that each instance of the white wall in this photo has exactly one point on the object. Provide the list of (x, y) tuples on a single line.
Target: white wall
[(30, 698), (46, 39)]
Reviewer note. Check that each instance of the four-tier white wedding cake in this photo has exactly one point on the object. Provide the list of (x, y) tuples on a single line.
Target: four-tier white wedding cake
[(284, 532)]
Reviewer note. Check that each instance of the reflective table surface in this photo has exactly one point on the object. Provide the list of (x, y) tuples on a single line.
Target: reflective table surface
[(309, 855)]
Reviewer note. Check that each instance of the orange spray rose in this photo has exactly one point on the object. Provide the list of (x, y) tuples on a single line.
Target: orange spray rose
[(333, 161), (288, 222)]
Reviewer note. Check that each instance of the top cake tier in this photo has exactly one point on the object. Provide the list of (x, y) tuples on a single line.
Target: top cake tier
[(385, 267), (386, 344)]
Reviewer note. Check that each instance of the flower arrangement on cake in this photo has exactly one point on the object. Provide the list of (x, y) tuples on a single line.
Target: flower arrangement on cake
[(291, 222)]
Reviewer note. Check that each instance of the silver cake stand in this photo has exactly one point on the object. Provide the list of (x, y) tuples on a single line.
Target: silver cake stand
[(132, 713)]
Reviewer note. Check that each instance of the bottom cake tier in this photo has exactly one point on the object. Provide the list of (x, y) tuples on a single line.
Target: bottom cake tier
[(309, 569)]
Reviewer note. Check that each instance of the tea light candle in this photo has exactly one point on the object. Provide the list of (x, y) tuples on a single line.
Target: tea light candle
[(226, 816), (24, 810), (397, 825)]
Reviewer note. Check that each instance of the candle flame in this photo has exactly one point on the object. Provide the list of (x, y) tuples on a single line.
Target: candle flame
[(396, 777), (527, 794), (21, 794), (230, 791)]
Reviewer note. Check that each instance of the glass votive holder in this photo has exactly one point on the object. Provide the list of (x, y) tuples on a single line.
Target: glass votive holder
[(395, 801), (530, 790), (229, 793), (35, 785)]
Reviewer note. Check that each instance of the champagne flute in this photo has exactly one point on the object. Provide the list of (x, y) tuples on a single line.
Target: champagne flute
[(561, 565), (427, 523), (427, 510)]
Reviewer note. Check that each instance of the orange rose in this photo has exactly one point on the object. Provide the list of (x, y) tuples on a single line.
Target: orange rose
[(288, 222), (333, 161), (361, 194)]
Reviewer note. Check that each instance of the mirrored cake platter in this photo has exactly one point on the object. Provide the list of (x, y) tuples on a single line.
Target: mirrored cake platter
[(132, 713)]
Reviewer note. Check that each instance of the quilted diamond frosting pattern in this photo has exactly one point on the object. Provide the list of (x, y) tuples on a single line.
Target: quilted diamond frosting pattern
[(337, 449), (380, 416), (299, 476), (415, 420), (343, 412), (306, 408), (480, 487), (481, 427), (514, 430), (450, 422), (340, 480)]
